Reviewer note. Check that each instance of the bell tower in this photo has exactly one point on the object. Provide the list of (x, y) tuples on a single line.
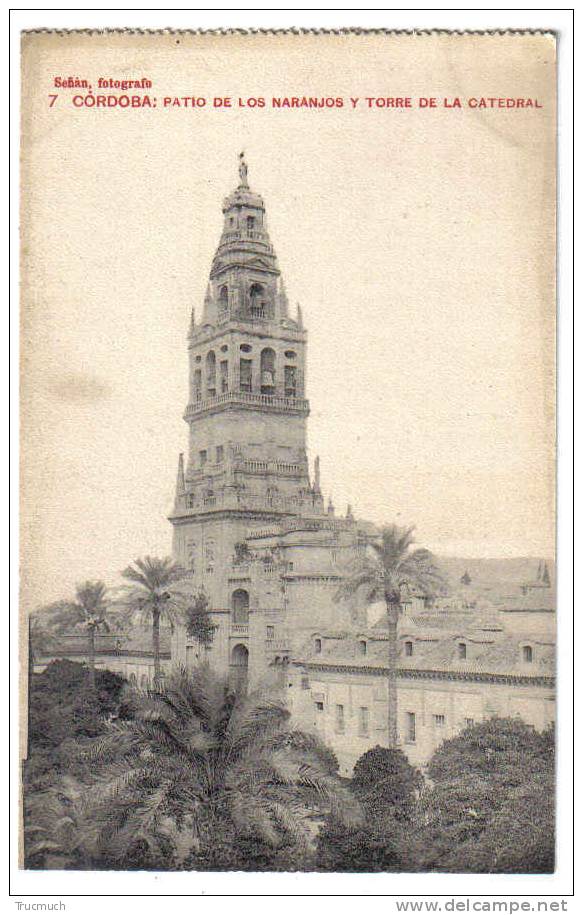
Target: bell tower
[(246, 413)]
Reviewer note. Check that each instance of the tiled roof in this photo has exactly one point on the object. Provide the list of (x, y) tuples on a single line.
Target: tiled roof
[(498, 653), (534, 599)]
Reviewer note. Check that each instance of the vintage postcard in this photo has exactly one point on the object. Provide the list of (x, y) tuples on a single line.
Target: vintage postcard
[(288, 452)]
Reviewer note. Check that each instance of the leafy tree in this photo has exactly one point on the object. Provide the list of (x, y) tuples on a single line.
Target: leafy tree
[(519, 839), (385, 781), (390, 564), (386, 785), (87, 613), (200, 767), (198, 622), (60, 706), (242, 552), (490, 807), (62, 709), (154, 596), (505, 750), (369, 849)]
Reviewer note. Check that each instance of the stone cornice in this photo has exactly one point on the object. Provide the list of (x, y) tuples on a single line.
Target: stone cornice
[(224, 513), (526, 610), (292, 406), (234, 326), (420, 674), (311, 576)]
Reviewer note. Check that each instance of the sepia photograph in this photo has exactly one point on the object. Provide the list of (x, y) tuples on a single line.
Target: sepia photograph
[(288, 572)]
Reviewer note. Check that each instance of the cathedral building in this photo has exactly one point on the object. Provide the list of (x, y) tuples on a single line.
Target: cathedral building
[(249, 517), (251, 525)]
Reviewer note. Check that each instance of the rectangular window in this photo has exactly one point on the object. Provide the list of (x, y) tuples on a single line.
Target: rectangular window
[(319, 706), (191, 555), (409, 649), (209, 555), (363, 720), (290, 380), (220, 454), (411, 727), (197, 384), (271, 632), (305, 683), (245, 377), (462, 651), (439, 721), (224, 376), (469, 722), (340, 719), (202, 456)]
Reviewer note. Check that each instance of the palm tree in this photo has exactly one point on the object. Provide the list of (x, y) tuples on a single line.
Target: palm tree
[(154, 597), (87, 612), (389, 565), (200, 768)]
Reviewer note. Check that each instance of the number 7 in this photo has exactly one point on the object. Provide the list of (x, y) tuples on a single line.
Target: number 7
[(53, 100)]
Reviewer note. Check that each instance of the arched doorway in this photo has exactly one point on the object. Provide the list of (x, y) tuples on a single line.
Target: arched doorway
[(240, 607), (239, 668)]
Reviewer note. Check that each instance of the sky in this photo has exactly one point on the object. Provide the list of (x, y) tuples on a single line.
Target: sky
[(418, 242)]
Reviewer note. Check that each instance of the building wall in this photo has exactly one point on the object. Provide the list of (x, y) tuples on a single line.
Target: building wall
[(458, 701), (252, 485), (259, 435)]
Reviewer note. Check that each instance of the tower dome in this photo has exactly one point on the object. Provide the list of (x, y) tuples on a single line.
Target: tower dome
[(245, 277)]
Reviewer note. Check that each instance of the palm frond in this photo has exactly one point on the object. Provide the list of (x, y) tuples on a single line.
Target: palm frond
[(419, 569), (196, 754), (252, 718)]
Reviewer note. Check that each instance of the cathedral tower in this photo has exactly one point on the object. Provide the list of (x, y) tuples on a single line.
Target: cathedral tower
[(246, 413)]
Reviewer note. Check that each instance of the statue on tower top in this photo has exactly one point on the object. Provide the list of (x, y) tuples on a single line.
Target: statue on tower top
[(243, 171)]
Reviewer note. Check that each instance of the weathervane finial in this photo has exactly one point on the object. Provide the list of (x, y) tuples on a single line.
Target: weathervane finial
[(243, 171)]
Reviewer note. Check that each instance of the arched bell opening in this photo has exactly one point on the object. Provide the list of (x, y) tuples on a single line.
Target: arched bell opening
[(256, 303)]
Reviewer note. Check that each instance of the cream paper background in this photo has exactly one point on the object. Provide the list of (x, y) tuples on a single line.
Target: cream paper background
[(420, 244)]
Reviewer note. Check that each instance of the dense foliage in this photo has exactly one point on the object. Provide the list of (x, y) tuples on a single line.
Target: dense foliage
[(198, 622), (386, 786), (192, 776), (491, 807), (65, 712), (198, 775), (62, 706), (384, 780)]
